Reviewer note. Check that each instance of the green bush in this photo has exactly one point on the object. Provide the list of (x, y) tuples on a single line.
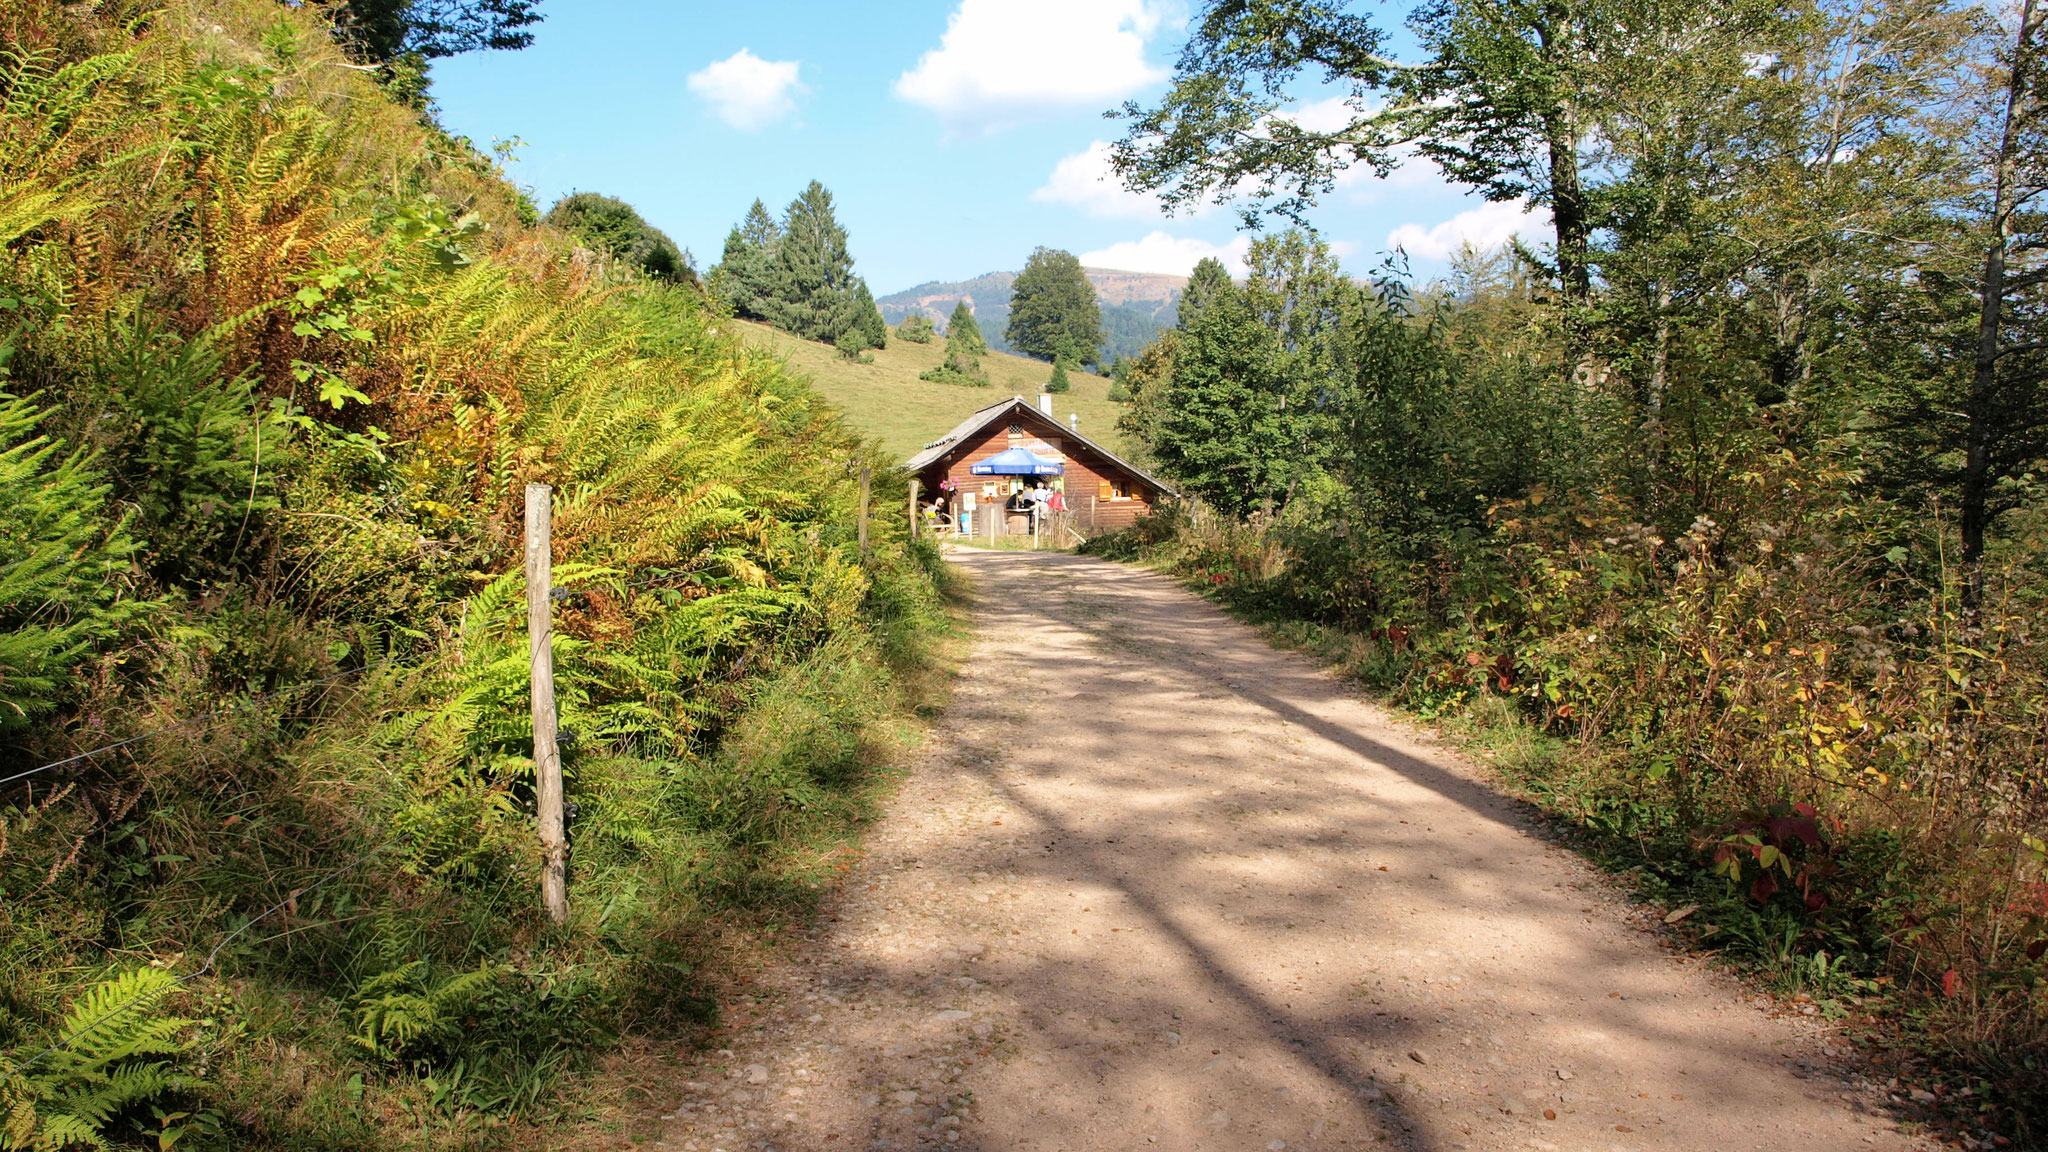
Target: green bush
[(916, 328)]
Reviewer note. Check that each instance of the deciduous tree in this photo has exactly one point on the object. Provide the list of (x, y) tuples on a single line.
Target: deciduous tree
[(1053, 310), (383, 30)]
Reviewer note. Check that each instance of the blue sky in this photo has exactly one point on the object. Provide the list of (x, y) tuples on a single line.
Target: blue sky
[(955, 135)]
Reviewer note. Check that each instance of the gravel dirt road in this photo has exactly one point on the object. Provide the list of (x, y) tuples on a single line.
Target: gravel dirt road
[(1154, 884)]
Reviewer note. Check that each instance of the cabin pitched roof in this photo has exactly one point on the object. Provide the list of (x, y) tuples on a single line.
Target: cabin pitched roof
[(989, 415)]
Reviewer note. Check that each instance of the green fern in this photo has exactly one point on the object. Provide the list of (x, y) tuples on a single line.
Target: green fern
[(64, 563), (112, 1061), (400, 1015)]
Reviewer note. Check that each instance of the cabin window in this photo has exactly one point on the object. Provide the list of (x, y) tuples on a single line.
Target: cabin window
[(1119, 490), (1016, 430)]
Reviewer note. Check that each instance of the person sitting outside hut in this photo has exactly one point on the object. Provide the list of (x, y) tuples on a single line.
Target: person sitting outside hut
[(1041, 498), (1021, 504)]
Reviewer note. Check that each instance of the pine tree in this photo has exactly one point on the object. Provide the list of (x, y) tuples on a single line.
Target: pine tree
[(963, 334), (867, 324), (742, 277), (964, 350), (1053, 310), (811, 293), (1209, 276), (1059, 381)]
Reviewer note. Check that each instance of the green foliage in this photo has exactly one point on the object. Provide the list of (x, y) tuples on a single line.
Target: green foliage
[(916, 328), (1209, 280), (812, 281), (189, 449), (964, 372), (613, 228), (280, 397), (65, 565), (403, 1016), (798, 276), (963, 334), (1722, 506), (1053, 310), (1144, 383), (964, 350), (1244, 415), (116, 1054), (386, 30), (1059, 381), (867, 325), (744, 277)]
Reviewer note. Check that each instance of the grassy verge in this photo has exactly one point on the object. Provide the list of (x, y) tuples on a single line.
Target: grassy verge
[(636, 1085)]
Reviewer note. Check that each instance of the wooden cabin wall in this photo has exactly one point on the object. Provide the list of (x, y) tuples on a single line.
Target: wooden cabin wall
[(1087, 472)]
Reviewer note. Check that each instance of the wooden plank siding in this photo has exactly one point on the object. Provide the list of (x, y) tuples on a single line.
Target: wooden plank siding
[(1094, 480)]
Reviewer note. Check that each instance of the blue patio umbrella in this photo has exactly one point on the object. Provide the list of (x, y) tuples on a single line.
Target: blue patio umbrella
[(1018, 462)]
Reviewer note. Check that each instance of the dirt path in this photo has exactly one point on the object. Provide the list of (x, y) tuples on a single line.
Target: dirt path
[(1157, 885)]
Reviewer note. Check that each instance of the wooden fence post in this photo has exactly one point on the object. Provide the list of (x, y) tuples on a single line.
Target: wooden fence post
[(547, 757), (913, 507), (863, 509)]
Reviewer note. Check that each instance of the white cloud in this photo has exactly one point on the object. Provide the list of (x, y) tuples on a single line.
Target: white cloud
[(1321, 115), (746, 91), (1001, 58), (1484, 228), (1086, 181), (1168, 255)]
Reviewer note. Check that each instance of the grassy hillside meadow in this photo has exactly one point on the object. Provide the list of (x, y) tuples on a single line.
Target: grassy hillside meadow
[(886, 400)]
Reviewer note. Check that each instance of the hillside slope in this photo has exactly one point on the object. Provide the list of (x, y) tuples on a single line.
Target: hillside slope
[(279, 359), (886, 400), (1136, 306)]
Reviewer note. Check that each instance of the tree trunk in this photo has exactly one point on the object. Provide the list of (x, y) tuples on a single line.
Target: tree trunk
[(1981, 405), (1568, 209)]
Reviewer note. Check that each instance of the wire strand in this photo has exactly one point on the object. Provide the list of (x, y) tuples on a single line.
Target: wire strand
[(200, 719)]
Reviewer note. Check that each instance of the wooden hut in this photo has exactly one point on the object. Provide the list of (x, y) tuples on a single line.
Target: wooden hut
[(1101, 490)]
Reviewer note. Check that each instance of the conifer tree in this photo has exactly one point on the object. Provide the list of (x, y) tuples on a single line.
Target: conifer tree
[(1059, 381), (867, 318), (811, 289), (742, 277), (916, 328), (1053, 310), (963, 334), (1208, 278), (964, 349)]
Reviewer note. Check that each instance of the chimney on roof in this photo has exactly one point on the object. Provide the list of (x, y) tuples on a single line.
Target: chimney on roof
[(1045, 403)]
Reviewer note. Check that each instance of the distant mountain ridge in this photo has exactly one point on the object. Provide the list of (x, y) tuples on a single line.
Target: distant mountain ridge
[(1136, 306)]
